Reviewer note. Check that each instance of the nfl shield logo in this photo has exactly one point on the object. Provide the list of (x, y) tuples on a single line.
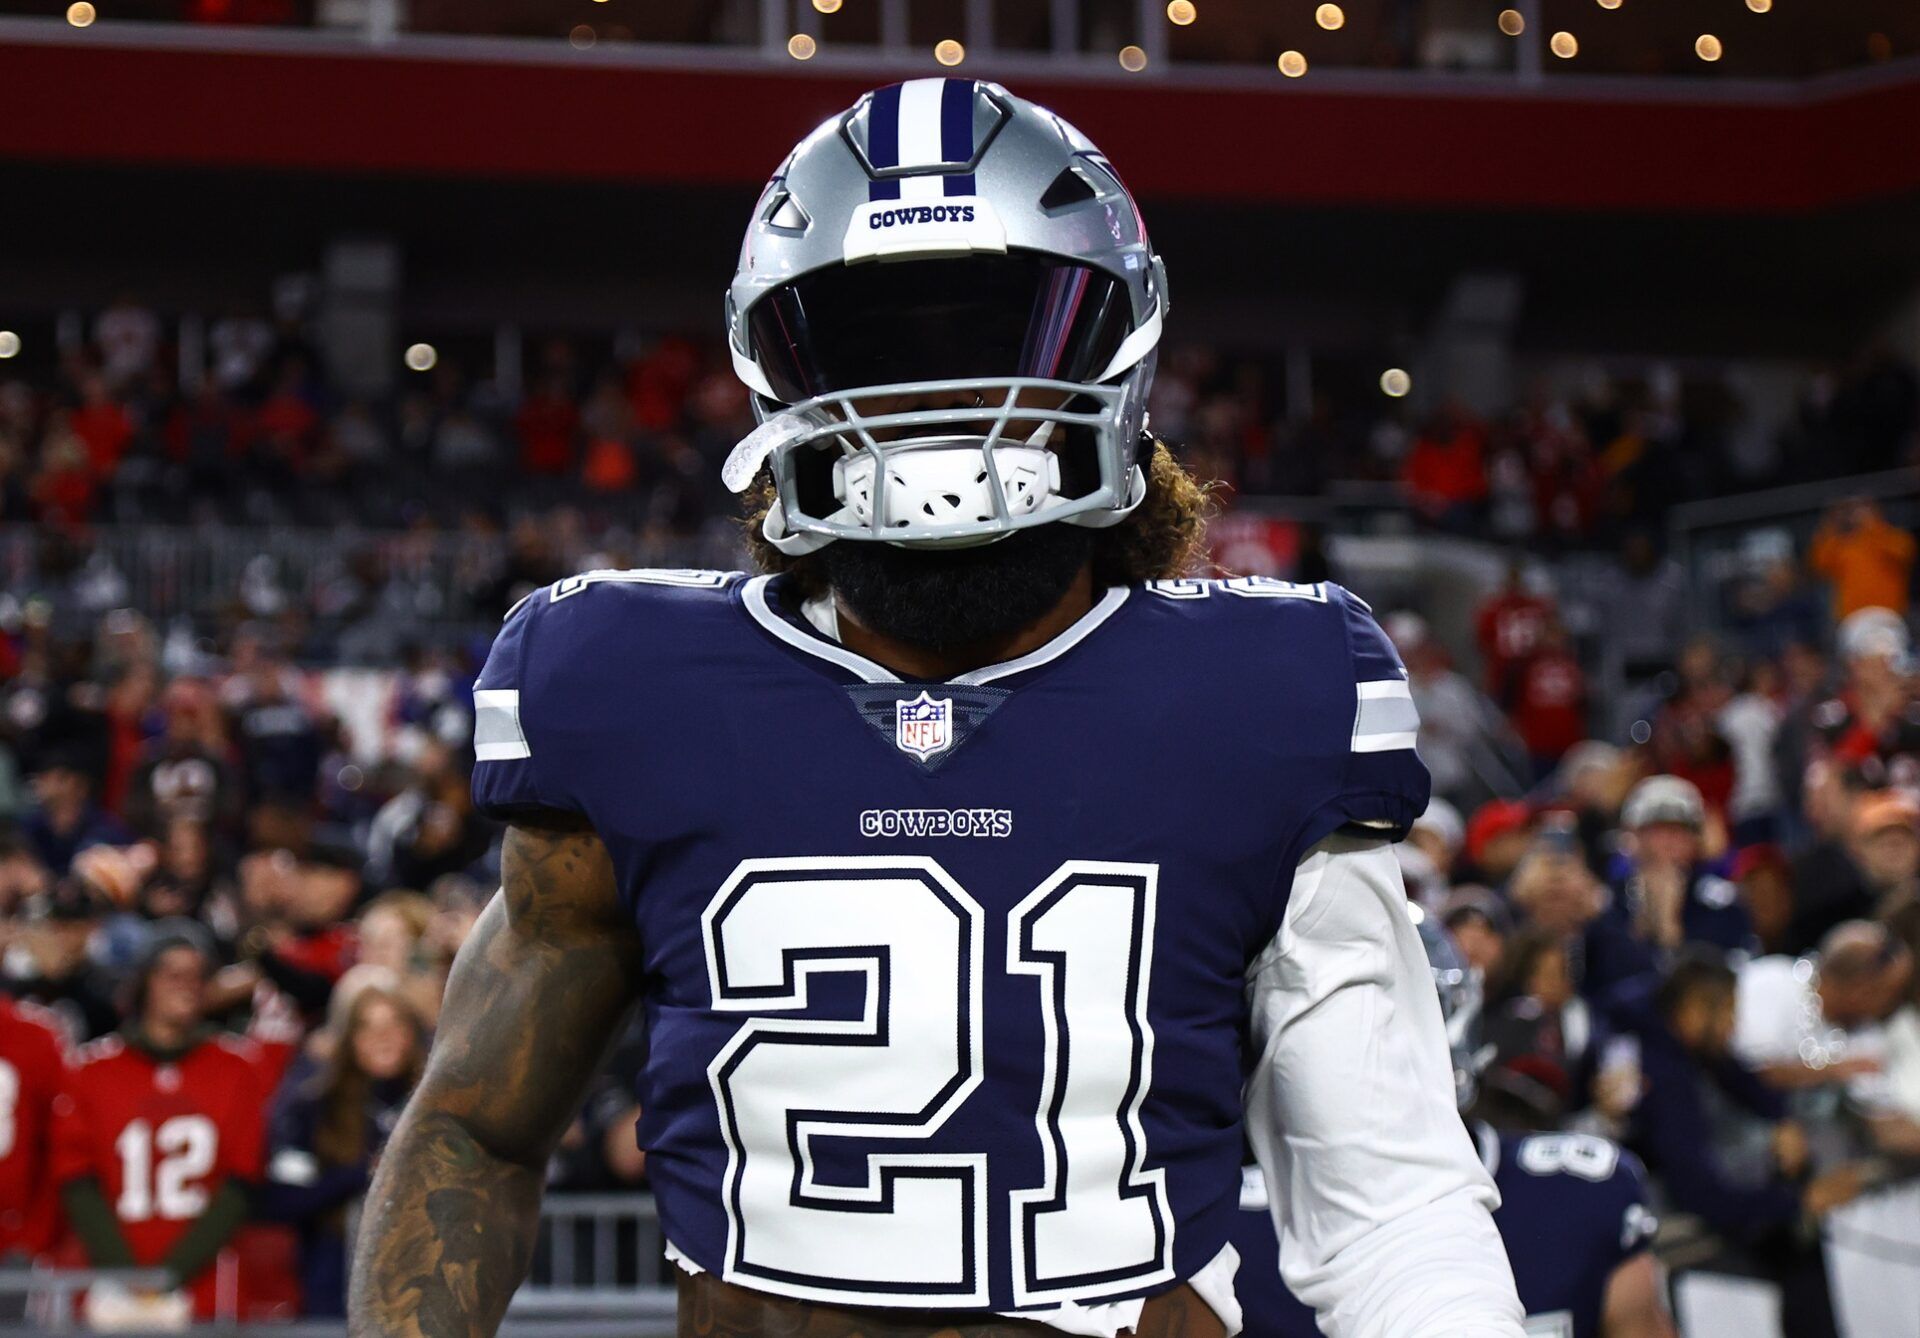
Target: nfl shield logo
[(923, 726)]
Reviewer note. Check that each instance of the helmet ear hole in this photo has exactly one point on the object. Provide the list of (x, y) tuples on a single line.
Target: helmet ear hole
[(786, 214), (813, 482), (1078, 451), (1067, 190)]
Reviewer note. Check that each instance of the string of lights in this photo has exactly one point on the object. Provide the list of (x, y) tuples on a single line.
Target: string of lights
[(1292, 63), (1353, 34)]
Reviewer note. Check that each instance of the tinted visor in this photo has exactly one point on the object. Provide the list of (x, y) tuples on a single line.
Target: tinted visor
[(993, 317)]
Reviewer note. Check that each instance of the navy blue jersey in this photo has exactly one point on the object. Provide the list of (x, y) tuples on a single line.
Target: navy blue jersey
[(945, 980), (1573, 1208)]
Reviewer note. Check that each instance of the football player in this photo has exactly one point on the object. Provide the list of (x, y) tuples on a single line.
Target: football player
[(966, 860), (1573, 1212)]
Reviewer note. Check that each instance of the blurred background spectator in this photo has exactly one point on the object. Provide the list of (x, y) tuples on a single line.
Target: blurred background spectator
[(329, 1123)]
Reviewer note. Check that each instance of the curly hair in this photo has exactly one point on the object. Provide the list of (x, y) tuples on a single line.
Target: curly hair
[(1164, 538)]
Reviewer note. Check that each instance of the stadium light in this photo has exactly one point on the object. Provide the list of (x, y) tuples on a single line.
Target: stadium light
[(801, 47), (81, 14), (1181, 12), (9, 344), (949, 52), (1395, 383), (1564, 45), (1330, 17), (422, 357), (1292, 64), (1759, 6), (827, 6), (1512, 22), (1132, 59), (1609, 4), (1707, 47)]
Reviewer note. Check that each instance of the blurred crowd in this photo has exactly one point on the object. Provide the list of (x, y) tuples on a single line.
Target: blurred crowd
[(1585, 459), (626, 436), (227, 942), (228, 904), (1698, 937), (261, 435)]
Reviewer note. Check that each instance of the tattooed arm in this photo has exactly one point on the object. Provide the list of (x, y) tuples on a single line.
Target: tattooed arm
[(535, 994)]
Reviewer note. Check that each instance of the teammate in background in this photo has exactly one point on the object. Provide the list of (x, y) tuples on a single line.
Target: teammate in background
[(159, 1133), (955, 860), (1573, 1213), (31, 1071)]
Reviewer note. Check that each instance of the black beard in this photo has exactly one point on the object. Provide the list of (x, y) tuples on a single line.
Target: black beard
[(958, 598)]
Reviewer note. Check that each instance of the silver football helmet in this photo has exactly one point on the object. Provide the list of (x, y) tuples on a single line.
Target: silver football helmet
[(1461, 1004), (947, 310)]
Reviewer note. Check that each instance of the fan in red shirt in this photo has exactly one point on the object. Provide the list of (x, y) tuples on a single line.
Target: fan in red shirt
[(1546, 699), (31, 1070), (548, 424), (1445, 472), (1510, 627), (160, 1129)]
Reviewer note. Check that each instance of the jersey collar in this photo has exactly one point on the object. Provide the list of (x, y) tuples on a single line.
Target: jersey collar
[(762, 605), (136, 1039)]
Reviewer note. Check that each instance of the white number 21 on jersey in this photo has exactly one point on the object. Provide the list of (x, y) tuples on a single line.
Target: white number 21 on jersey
[(916, 1231)]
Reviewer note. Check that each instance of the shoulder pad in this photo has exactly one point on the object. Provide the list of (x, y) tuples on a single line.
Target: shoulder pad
[(526, 698)]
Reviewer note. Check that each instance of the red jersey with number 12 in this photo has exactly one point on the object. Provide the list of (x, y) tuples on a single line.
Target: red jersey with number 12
[(161, 1137)]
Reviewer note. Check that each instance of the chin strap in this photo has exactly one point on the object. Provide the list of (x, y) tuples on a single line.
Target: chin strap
[(774, 530)]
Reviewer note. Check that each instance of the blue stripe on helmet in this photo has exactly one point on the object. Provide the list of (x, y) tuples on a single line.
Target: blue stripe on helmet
[(883, 140), (956, 121), (956, 133)]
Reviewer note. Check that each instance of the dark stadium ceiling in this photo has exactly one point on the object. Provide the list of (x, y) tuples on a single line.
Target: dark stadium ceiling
[(600, 256)]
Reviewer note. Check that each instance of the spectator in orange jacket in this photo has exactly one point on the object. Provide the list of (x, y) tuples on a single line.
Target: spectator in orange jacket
[(1868, 561)]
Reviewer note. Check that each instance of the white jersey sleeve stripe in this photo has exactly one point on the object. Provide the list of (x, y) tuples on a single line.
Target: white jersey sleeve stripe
[(1385, 717), (1385, 743), (497, 736)]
